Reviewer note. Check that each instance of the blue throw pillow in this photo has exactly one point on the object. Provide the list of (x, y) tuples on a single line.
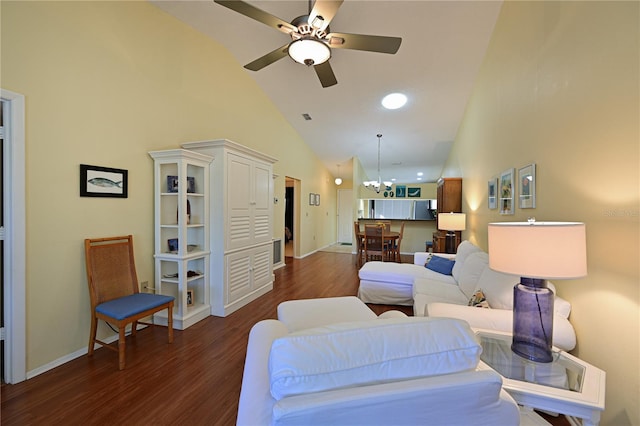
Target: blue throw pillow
[(441, 265)]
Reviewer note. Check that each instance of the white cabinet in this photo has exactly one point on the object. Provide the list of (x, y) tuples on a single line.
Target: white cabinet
[(241, 223), (181, 223)]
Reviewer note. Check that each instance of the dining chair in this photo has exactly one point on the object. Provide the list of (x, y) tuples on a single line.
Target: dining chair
[(396, 245), (114, 294), (375, 243), (359, 243)]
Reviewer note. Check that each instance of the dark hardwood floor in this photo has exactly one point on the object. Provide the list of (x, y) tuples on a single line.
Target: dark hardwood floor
[(196, 380)]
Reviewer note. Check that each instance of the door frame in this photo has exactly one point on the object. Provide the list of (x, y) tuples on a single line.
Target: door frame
[(13, 171)]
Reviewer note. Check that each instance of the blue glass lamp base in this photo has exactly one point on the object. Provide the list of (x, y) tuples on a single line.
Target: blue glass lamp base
[(533, 320)]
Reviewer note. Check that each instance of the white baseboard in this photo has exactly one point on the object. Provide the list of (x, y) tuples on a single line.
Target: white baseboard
[(70, 357)]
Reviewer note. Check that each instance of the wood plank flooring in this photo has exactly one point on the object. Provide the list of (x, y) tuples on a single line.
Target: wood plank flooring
[(196, 380)]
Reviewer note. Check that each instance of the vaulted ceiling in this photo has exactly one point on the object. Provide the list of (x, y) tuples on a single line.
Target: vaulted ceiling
[(443, 44)]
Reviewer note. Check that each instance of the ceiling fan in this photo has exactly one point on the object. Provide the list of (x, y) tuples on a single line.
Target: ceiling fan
[(311, 40)]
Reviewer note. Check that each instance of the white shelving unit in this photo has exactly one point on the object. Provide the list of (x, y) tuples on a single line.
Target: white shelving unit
[(181, 193)]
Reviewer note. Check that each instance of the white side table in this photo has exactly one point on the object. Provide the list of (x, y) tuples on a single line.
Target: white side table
[(566, 385)]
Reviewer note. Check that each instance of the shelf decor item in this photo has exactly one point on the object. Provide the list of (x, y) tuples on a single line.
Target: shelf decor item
[(527, 188), (537, 251), (506, 192), (98, 181)]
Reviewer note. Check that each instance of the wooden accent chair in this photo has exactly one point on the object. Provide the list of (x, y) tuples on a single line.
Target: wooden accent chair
[(114, 294)]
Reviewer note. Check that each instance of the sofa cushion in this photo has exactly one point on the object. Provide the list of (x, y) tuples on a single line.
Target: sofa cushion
[(433, 291), (498, 288), (370, 352), (464, 250), (471, 271), (440, 265)]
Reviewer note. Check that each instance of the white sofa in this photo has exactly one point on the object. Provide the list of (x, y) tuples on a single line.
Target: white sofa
[(391, 283), (437, 295), (353, 368)]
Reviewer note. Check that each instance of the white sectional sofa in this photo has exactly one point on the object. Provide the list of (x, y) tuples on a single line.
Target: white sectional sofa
[(438, 295), (334, 362)]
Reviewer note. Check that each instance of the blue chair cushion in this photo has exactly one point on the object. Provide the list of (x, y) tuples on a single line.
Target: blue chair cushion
[(127, 306)]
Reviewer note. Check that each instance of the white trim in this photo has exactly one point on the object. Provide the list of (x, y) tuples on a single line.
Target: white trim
[(15, 252)]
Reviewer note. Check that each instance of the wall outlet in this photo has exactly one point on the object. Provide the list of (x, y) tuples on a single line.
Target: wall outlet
[(144, 285)]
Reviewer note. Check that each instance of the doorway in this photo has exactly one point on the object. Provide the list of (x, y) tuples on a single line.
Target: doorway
[(292, 218), (12, 238)]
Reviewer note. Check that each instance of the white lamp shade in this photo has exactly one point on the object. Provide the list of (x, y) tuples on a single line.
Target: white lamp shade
[(545, 250), (309, 51), (338, 181), (452, 221)]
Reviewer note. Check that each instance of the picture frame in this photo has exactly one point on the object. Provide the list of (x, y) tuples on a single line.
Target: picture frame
[(527, 187), (401, 191), (492, 193), (506, 190), (190, 298), (414, 192), (312, 199), (96, 181), (173, 184), (172, 244), (317, 200)]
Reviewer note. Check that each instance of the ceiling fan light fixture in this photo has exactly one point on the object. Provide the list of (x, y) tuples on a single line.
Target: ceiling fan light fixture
[(309, 51), (394, 101)]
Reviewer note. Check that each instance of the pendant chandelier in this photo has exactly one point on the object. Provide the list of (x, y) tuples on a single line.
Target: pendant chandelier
[(377, 184)]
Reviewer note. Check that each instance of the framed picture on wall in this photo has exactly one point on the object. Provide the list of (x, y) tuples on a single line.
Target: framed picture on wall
[(317, 203), (98, 181), (401, 191), (413, 193), (312, 199), (492, 195), (506, 188), (527, 187)]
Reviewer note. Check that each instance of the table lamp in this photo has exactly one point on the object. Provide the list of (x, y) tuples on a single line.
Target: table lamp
[(537, 251), (451, 222)]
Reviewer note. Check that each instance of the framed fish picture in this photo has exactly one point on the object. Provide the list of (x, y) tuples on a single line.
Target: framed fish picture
[(98, 181)]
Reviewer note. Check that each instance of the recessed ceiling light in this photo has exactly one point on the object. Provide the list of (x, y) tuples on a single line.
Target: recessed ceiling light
[(419, 178), (420, 173), (394, 101)]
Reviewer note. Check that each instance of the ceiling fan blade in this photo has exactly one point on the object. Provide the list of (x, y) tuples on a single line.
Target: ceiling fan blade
[(369, 43), (259, 15), (325, 74), (326, 9), (268, 59)]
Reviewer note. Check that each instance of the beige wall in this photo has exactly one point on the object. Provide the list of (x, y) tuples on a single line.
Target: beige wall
[(106, 82), (559, 88)]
